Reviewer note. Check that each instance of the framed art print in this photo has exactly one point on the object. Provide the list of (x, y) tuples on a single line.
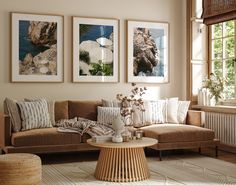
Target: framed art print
[(37, 48), (147, 52), (95, 50)]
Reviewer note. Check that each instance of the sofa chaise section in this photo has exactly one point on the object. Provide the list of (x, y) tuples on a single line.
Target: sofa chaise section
[(182, 136)]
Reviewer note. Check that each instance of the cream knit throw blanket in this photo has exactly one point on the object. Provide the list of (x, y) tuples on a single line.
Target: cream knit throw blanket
[(82, 125)]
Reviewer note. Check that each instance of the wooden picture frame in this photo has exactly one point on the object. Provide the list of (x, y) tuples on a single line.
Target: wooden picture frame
[(95, 50), (147, 52), (36, 47)]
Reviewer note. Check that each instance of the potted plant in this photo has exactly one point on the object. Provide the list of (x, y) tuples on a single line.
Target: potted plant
[(215, 85)]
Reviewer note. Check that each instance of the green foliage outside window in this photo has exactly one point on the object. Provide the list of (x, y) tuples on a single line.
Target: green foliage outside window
[(223, 43)]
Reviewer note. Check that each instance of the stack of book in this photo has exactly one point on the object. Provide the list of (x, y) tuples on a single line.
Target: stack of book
[(101, 138)]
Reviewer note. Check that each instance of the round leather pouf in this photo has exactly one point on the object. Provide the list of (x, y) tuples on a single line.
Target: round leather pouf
[(20, 169)]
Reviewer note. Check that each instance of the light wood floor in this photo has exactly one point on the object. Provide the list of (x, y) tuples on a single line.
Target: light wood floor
[(93, 155), (225, 156)]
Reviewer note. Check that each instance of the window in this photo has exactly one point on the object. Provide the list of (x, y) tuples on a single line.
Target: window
[(223, 53)]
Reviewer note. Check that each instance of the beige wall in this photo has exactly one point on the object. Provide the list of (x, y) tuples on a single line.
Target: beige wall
[(172, 11)]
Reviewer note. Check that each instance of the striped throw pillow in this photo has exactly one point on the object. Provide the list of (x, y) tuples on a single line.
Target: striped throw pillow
[(158, 111), (106, 115), (34, 114), (143, 118)]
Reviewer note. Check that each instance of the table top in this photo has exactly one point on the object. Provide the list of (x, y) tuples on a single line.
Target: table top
[(138, 143)]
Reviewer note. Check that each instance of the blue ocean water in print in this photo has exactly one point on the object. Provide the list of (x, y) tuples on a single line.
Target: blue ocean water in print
[(95, 31), (25, 45), (158, 36)]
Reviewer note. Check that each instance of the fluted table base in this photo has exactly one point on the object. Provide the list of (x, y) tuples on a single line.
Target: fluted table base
[(122, 165)]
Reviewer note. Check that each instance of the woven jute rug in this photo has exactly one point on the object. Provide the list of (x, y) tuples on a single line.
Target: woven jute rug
[(194, 170)]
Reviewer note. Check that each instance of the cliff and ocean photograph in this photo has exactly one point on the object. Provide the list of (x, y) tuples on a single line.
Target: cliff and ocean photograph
[(95, 50), (148, 52), (37, 48)]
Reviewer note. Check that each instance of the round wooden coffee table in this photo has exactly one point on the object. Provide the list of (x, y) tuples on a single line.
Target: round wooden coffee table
[(122, 162)]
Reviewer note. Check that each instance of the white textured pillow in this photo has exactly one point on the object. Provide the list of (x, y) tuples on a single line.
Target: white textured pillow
[(172, 110), (106, 115), (158, 111), (182, 111), (34, 114)]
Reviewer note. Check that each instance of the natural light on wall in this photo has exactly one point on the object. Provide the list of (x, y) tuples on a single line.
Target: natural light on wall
[(198, 76), (198, 8), (199, 49), (153, 93)]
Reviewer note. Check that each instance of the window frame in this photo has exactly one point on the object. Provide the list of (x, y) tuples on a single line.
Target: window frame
[(222, 59)]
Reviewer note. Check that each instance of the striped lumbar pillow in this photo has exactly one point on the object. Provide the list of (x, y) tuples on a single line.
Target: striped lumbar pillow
[(34, 114)]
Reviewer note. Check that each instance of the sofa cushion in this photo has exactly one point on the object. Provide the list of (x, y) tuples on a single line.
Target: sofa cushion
[(61, 110), (44, 136), (166, 133), (84, 109), (11, 108)]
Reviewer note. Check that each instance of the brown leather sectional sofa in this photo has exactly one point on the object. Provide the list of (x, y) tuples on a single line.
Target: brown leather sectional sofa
[(48, 140)]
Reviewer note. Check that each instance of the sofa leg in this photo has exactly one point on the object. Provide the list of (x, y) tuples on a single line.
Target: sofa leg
[(160, 155), (2, 151), (216, 151), (199, 150)]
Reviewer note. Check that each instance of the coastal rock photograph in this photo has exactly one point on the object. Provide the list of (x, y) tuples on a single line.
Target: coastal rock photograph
[(96, 50), (147, 52), (37, 48)]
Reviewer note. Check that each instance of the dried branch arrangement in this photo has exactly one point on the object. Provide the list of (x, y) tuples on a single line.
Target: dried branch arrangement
[(132, 102)]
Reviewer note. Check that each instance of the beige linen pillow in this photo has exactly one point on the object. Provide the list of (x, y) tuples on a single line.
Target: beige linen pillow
[(182, 111), (11, 108)]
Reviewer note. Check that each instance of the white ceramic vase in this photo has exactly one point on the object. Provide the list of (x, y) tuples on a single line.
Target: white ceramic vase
[(213, 101), (118, 127)]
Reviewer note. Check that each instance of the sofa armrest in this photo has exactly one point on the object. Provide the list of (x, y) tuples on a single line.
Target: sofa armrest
[(5, 130), (196, 118)]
